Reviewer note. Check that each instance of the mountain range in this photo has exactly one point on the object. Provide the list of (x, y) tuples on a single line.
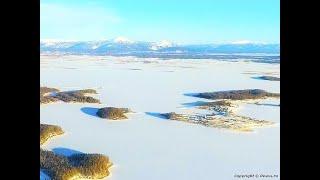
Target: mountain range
[(122, 46)]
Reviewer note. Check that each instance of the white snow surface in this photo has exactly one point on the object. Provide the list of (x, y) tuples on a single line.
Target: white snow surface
[(148, 147)]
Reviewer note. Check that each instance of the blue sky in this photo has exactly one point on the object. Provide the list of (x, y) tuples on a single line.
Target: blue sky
[(182, 21)]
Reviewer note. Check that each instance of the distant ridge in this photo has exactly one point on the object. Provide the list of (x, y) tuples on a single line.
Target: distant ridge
[(164, 49)]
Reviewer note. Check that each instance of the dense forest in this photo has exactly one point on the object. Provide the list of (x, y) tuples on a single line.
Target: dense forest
[(237, 94), (66, 96)]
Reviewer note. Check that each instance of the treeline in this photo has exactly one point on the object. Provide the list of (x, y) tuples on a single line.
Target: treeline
[(75, 96), (44, 97), (44, 90), (237, 94), (67, 96), (216, 103)]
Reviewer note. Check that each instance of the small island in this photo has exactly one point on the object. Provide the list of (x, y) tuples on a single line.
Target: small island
[(113, 113), (48, 131), (230, 122), (269, 78), (77, 166), (222, 110), (237, 94), (49, 95)]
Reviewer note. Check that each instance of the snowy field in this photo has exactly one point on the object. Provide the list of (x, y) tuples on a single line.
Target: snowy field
[(146, 147)]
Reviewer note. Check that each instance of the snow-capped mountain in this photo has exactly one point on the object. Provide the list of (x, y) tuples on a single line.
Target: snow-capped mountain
[(160, 45), (124, 46)]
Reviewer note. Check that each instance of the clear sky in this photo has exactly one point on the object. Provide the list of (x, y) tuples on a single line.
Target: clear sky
[(182, 21)]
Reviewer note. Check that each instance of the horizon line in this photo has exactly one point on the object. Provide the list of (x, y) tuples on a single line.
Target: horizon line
[(124, 39)]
